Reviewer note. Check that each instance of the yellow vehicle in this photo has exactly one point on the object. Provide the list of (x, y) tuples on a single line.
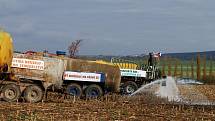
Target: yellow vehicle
[(6, 51)]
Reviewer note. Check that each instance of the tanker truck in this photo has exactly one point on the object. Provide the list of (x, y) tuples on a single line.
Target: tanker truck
[(30, 75), (134, 75)]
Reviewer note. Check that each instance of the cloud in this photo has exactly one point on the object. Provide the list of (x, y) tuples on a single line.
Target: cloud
[(110, 26)]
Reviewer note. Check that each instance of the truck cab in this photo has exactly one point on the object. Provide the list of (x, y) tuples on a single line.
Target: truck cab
[(134, 75)]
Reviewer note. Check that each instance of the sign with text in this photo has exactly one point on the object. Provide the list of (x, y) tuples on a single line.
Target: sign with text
[(28, 64), (82, 76), (132, 72)]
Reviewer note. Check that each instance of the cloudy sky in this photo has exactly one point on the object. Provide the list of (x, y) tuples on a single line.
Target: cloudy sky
[(111, 27)]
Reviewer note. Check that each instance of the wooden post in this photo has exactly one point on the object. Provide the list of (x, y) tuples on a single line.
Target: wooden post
[(204, 68), (192, 69), (176, 68), (198, 70), (182, 73), (187, 70), (211, 69), (169, 67)]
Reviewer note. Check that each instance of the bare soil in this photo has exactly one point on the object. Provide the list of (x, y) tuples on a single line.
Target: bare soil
[(111, 107)]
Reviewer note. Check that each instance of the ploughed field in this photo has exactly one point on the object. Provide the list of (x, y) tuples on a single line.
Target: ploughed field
[(199, 93), (146, 106)]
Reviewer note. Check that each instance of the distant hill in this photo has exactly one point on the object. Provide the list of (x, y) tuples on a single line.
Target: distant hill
[(182, 56), (190, 55)]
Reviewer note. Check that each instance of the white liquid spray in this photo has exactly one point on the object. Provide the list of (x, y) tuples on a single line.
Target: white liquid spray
[(167, 88)]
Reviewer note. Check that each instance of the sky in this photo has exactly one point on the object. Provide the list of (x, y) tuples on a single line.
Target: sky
[(110, 27)]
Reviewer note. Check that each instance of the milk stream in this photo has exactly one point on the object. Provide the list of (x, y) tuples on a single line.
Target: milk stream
[(146, 86), (168, 89)]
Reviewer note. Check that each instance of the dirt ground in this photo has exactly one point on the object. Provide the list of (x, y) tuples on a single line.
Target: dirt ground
[(200, 94), (207, 90), (111, 107)]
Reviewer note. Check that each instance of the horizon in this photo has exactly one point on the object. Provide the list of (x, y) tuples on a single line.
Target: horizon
[(140, 54)]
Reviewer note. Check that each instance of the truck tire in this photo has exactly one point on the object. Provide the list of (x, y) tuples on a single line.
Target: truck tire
[(33, 94), (74, 90), (93, 91), (129, 87), (11, 92)]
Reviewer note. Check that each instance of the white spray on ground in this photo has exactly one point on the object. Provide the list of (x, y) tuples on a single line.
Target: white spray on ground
[(146, 86), (167, 88), (192, 96)]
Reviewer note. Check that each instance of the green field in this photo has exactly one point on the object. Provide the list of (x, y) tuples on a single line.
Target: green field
[(183, 68), (178, 67)]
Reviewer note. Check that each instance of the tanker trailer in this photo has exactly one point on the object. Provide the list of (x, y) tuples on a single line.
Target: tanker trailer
[(90, 78), (77, 77), (36, 74), (11, 86), (31, 74)]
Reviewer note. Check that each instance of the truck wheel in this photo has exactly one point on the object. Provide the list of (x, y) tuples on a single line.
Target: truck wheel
[(11, 92), (129, 87), (33, 94), (93, 91), (74, 90)]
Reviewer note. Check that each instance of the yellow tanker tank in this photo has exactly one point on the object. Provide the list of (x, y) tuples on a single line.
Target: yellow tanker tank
[(6, 51), (124, 64)]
